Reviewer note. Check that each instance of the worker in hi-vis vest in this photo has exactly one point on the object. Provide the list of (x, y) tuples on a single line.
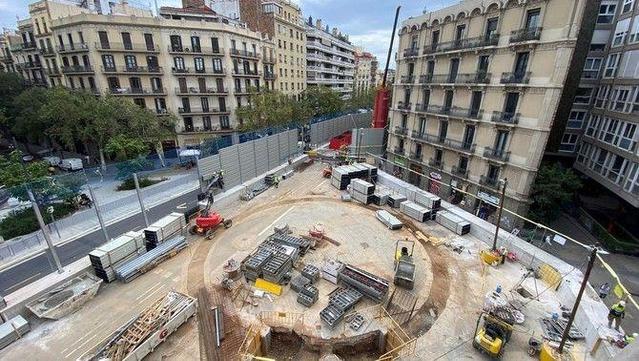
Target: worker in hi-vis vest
[(617, 312)]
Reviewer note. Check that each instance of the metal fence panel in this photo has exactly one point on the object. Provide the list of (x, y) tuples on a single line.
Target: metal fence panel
[(261, 156), (315, 136), (208, 165), (230, 164), (273, 152), (247, 161), (292, 142), (283, 144)]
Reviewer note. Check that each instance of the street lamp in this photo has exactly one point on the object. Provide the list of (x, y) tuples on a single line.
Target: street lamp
[(504, 183)]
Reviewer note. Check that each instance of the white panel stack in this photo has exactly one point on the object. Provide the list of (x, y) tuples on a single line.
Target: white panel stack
[(108, 256), (415, 211), (363, 187), (395, 200), (380, 197), (453, 222), (427, 200), (13, 330), (163, 229)]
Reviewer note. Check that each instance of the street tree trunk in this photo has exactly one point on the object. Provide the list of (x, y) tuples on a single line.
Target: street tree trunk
[(160, 150)]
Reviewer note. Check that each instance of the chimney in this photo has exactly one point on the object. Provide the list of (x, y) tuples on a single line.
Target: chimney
[(318, 24)]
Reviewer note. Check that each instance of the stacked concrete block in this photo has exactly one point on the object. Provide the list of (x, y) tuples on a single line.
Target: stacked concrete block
[(311, 272), (277, 268), (331, 270), (305, 300), (345, 298), (301, 244), (395, 200), (252, 266), (415, 211), (331, 315)]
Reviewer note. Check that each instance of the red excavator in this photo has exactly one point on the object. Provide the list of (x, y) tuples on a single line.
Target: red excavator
[(208, 221)]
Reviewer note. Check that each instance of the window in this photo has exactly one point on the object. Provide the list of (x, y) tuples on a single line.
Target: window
[(501, 141), (620, 32), (148, 41), (130, 62), (582, 96), (126, 40), (606, 13), (195, 44), (104, 40), (620, 99), (460, 31), (160, 105), (199, 64), (612, 62), (215, 45), (224, 121), (601, 99), (491, 28), (510, 106), (114, 83), (217, 65), (108, 62), (591, 68), (576, 119), (568, 142), (176, 43), (179, 63), (533, 18), (627, 6), (206, 122)]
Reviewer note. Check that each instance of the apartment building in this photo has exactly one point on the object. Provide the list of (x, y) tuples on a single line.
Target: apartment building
[(330, 58), (365, 72), (188, 61), (602, 127), (282, 21), (477, 90)]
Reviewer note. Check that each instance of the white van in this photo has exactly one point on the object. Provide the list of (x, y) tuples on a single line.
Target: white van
[(71, 164)]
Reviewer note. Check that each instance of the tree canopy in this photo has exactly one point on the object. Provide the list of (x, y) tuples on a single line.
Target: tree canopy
[(553, 187)]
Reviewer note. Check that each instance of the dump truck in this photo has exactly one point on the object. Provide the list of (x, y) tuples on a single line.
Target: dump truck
[(404, 265)]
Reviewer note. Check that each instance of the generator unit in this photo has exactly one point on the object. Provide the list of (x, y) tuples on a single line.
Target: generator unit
[(453, 222)]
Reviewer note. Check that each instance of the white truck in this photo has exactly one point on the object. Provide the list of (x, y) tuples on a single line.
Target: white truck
[(71, 164)]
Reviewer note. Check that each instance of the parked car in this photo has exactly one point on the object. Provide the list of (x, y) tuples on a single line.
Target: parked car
[(71, 164)]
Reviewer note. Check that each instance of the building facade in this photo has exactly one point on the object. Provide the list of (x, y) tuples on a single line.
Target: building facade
[(330, 58), (477, 88), (188, 61), (602, 127), (282, 21), (365, 72)]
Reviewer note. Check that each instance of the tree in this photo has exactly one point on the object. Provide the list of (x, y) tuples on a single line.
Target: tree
[(68, 114), (147, 126), (553, 187), (14, 173), (265, 109), (28, 123), (322, 100), (11, 85), (364, 99), (124, 147)]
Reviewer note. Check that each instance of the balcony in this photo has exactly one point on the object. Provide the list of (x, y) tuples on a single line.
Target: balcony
[(436, 163), (268, 59), (143, 48), (212, 129), (28, 45), (30, 65), (489, 182), (407, 79), (399, 151), (459, 172), (526, 34), (497, 154), (53, 72), (415, 156), (47, 52), (134, 70), (448, 143), (455, 112), (73, 48), (401, 130), (197, 72), (204, 91), (187, 111), (515, 78), (136, 91), (246, 73), (411, 52), (269, 76), (244, 53), (77, 69), (404, 106), (463, 44), (505, 118)]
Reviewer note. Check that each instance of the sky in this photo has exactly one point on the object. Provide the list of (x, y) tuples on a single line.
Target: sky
[(368, 23)]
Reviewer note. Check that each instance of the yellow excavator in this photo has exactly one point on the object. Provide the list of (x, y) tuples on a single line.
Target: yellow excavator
[(492, 332)]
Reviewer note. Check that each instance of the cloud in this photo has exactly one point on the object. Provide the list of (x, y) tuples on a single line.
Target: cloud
[(376, 42)]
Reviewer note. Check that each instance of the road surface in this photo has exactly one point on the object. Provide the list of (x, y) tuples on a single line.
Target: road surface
[(31, 270)]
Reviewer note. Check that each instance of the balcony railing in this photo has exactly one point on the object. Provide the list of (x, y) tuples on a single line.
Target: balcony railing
[(526, 34), (52, 71), (408, 79), (411, 52), (136, 91), (515, 78), (460, 172), (415, 156), (77, 69), (268, 59), (497, 154), (68, 48), (154, 48), (449, 143), (462, 44), (174, 49), (244, 53), (201, 91), (201, 111), (453, 111), (437, 163), (242, 72), (398, 150), (404, 106), (401, 130), (505, 117), (490, 182), (590, 74), (28, 45), (47, 52), (269, 76), (133, 69)]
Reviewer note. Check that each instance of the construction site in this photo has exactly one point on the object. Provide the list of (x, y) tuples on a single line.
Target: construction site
[(346, 262)]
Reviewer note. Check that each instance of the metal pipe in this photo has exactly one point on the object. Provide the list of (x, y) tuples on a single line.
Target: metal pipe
[(97, 212), (47, 237), (137, 190)]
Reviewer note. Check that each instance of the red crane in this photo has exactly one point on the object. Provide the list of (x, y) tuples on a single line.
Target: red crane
[(382, 98)]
